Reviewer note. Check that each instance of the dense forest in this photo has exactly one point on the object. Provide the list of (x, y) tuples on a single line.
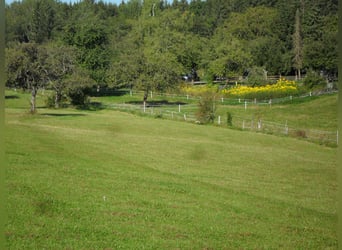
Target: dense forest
[(151, 44)]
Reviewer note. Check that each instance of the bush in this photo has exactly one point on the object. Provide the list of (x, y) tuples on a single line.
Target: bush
[(79, 88), (78, 96), (256, 77), (300, 133), (314, 81), (50, 101), (206, 109)]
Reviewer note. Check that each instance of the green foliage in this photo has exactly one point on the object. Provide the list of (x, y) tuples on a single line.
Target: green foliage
[(78, 95), (206, 108), (53, 97), (314, 81), (60, 64), (26, 69), (257, 77), (151, 44), (79, 87)]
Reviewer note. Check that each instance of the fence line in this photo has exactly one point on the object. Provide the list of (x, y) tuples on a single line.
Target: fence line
[(235, 101), (256, 125), (183, 113)]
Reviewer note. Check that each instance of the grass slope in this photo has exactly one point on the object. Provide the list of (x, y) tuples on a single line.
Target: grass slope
[(301, 113), (305, 113), (111, 180)]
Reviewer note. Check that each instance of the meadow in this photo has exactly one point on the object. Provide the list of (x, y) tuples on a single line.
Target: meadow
[(104, 179)]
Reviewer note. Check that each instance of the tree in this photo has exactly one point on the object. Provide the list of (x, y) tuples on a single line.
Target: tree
[(90, 36), (78, 87), (298, 46), (16, 23), (206, 108), (26, 69), (60, 65), (230, 56), (42, 21)]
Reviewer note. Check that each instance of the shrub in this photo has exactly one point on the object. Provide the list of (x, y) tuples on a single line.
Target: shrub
[(158, 116), (301, 133), (79, 86), (50, 101), (78, 96), (314, 81), (256, 77), (206, 108)]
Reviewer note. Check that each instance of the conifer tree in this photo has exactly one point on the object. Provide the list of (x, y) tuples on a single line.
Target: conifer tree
[(297, 46)]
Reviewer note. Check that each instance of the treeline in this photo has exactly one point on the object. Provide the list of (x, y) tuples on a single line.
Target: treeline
[(150, 44)]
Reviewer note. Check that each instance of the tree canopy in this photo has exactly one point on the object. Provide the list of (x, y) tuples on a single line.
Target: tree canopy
[(150, 44)]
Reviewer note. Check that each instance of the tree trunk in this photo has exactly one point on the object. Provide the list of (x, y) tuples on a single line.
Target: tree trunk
[(57, 99), (33, 100)]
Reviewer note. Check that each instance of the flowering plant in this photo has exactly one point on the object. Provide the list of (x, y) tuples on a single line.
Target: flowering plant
[(281, 88)]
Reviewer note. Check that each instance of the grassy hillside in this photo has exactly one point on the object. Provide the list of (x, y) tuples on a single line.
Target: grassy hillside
[(108, 180), (302, 113)]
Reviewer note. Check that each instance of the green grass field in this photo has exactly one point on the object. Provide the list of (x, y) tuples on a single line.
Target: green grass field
[(112, 180), (301, 113)]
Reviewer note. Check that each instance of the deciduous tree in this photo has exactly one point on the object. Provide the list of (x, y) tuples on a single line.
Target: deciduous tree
[(26, 69)]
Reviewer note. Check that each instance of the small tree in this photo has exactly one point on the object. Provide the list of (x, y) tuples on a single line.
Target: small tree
[(78, 87), (60, 66), (25, 65), (206, 108)]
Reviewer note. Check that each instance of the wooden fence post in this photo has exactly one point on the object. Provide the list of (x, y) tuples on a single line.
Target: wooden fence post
[(286, 128), (259, 124), (337, 137)]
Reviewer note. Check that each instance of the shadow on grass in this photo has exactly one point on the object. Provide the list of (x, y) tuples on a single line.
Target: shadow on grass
[(92, 106), (11, 97), (63, 114), (156, 103)]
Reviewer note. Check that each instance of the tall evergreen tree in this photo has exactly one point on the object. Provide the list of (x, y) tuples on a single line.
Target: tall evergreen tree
[(298, 46)]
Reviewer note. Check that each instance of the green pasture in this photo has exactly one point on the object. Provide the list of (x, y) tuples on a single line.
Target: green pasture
[(309, 112), (82, 179)]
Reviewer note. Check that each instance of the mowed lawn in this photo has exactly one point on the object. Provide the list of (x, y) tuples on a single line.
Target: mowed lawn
[(112, 180)]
